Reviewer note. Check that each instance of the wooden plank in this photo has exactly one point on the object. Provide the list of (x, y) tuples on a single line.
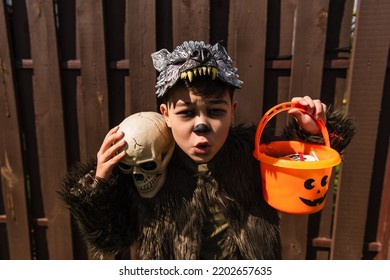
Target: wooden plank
[(306, 73), (365, 89), (4, 250), (141, 25), (280, 30), (337, 47), (320, 225), (92, 88), (13, 182), (293, 234), (280, 27), (286, 16), (219, 18), (49, 125), (308, 48), (245, 22), (332, 93), (140, 37), (338, 37), (92, 106), (190, 21), (164, 27), (67, 44), (115, 15), (384, 218)]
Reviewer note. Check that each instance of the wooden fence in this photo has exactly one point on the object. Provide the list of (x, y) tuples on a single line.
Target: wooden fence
[(70, 70)]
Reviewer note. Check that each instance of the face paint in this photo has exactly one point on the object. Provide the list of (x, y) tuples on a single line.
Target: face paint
[(201, 128)]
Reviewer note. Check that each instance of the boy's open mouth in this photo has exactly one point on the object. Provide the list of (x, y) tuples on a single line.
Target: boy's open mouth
[(202, 147)]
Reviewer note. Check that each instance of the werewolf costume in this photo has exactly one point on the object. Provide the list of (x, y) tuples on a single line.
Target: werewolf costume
[(213, 211)]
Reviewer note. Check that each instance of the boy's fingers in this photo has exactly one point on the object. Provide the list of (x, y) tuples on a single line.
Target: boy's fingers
[(296, 113), (111, 151), (112, 137)]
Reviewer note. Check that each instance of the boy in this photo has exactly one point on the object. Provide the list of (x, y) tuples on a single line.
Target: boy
[(211, 204)]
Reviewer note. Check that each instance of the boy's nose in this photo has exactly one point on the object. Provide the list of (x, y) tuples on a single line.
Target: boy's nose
[(201, 128)]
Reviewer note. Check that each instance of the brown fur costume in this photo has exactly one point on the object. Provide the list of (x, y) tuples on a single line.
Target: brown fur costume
[(112, 215)]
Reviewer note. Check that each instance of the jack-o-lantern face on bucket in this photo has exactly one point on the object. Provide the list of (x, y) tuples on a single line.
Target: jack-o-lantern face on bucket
[(318, 188), (296, 187), (295, 191)]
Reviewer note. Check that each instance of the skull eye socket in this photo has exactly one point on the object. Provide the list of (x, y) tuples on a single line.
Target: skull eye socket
[(148, 166), (124, 167)]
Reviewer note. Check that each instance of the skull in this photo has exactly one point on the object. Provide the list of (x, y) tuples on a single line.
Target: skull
[(148, 150)]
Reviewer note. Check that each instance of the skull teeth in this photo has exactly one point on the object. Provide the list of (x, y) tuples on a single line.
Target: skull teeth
[(149, 185), (210, 71)]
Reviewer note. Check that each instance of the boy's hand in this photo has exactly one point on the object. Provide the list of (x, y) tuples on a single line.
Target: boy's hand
[(110, 153), (315, 108)]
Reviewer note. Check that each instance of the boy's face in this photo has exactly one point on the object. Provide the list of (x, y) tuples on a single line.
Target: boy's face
[(185, 110)]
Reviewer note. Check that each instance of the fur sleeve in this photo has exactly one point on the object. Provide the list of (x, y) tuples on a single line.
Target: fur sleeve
[(102, 208), (340, 128)]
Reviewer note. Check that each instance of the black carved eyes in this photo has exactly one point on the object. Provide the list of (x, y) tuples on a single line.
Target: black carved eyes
[(309, 183), (324, 181)]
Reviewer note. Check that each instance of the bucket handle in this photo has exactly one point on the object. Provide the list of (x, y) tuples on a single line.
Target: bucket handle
[(280, 108)]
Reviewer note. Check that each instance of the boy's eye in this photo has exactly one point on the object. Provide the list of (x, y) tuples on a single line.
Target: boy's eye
[(186, 113), (217, 112)]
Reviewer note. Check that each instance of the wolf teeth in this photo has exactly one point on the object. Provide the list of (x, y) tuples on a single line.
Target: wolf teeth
[(190, 75), (214, 73), (211, 71)]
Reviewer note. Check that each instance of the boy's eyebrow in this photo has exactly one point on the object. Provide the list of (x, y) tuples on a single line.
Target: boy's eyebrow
[(183, 103), (217, 101), (212, 101)]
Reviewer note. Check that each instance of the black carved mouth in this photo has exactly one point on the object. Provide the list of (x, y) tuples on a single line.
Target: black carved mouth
[(315, 202)]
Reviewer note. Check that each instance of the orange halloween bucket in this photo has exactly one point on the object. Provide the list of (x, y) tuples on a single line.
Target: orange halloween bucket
[(295, 175)]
